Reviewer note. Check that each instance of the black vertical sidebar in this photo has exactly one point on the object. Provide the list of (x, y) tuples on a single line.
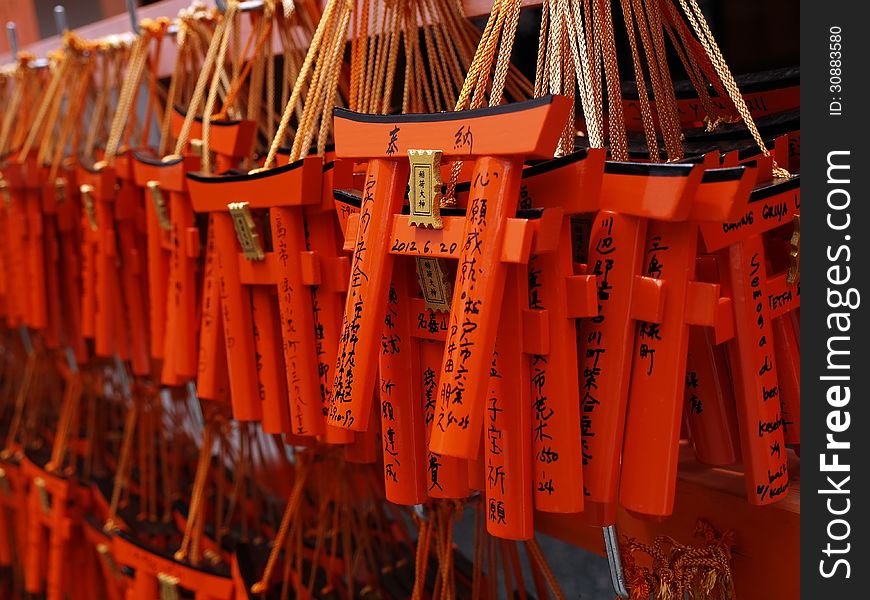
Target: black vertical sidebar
[(835, 265)]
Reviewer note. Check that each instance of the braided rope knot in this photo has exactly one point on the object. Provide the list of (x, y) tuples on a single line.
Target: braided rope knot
[(701, 571)]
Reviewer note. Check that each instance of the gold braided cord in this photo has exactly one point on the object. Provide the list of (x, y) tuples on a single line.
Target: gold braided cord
[(594, 70), (554, 49), (328, 90), (149, 29), (237, 52), (666, 100), (705, 36), (603, 26), (543, 39), (503, 61), (172, 94), (203, 79), (374, 43), (69, 128), (640, 79), (490, 46), (701, 63), (100, 105), (312, 107), (358, 67), (357, 23), (428, 95), (224, 41), (393, 56), (696, 76), (659, 75), (483, 52), (589, 97), (291, 65), (124, 459), (33, 82), (59, 74), (21, 397), (410, 90), (270, 96), (384, 36), (332, 85), (12, 109), (302, 78), (566, 143), (495, 45), (454, 50), (126, 96), (447, 66), (194, 514), (57, 128), (286, 521), (254, 67), (153, 105), (69, 407), (438, 84)]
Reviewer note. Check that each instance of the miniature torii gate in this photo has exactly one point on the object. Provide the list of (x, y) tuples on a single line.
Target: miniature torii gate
[(385, 141), (758, 299)]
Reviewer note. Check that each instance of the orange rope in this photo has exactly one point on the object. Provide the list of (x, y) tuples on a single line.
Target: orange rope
[(286, 521)]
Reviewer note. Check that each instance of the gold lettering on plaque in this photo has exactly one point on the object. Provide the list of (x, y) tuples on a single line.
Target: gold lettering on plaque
[(424, 189), (246, 231), (88, 201), (44, 502), (159, 205), (168, 586), (432, 276), (60, 189), (106, 557)]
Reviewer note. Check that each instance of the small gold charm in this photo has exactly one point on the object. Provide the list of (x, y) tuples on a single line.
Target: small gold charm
[(794, 272), (246, 231), (88, 200), (159, 205), (432, 277), (168, 586), (44, 503), (60, 190), (106, 556), (424, 189)]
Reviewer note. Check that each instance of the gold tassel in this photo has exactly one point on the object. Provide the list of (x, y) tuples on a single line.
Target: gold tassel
[(701, 572)]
